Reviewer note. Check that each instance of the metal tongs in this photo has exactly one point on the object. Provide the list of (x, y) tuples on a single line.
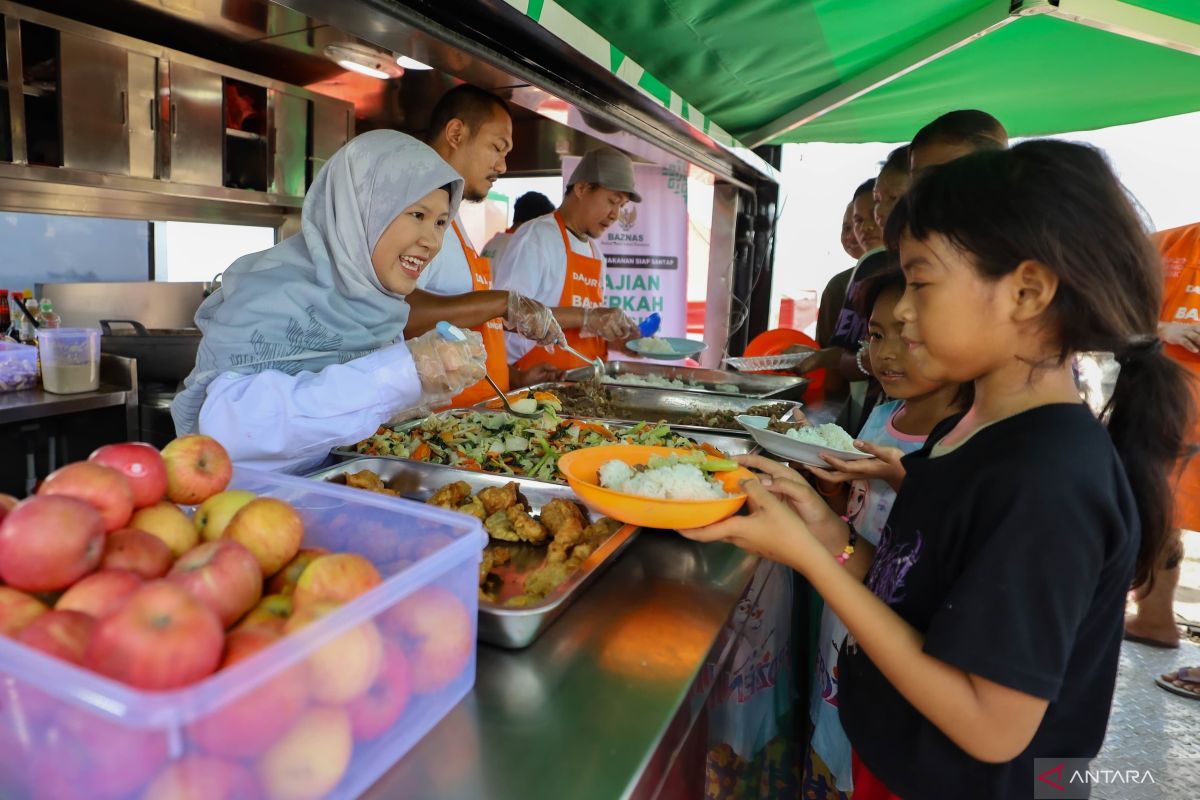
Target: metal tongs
[(453, 333), (597, 364)]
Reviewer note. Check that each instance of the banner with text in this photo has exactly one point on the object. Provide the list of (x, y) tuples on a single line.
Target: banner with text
[(646, 248)]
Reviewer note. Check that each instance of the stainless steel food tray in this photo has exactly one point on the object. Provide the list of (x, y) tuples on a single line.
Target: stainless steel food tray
[(783, 387), (668, 405), (734, 443), (498, 624)]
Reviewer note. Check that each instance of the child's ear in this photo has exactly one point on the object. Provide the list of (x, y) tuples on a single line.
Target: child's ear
[(1034, 286)]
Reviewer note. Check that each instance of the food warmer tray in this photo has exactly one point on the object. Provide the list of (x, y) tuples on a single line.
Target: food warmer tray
[(774, 387), (734, 443), (500, 625), (669, 405)]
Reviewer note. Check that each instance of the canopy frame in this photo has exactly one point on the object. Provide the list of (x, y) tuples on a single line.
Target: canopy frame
[(1113, 16)]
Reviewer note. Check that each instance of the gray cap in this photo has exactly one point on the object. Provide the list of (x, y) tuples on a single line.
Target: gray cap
[(609, 168)]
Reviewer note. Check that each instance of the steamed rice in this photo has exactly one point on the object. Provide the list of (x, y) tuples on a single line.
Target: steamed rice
[(827, 435), (652, 344), (663, 382), (668, 482)]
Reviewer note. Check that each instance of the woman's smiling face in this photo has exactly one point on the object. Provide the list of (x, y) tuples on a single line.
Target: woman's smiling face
[(411, 241)]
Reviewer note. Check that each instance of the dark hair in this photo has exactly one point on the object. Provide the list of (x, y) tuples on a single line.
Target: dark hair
[(897, 160), (472, 105), (866, 187), (531, 205), (1060, 204), (976, 128)]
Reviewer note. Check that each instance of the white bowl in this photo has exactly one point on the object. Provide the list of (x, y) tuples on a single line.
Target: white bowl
[(792, 449)]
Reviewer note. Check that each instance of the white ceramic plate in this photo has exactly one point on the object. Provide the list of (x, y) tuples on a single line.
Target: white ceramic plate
[(680, 348), (792, 449)]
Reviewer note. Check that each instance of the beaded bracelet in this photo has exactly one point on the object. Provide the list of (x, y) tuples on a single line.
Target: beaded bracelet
[(848, 550)]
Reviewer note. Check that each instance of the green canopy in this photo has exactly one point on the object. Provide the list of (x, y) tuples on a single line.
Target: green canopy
[(877, 70)]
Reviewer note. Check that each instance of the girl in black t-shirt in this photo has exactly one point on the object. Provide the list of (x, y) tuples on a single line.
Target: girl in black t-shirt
[(988, 629)]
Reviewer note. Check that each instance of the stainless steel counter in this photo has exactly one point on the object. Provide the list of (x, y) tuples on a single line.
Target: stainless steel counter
[(598, 706), (118, 387)]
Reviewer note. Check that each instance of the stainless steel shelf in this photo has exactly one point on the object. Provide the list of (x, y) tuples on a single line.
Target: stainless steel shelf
[(36, 403)]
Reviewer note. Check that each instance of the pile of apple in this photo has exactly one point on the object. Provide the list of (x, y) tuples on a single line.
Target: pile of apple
[(103, 568)]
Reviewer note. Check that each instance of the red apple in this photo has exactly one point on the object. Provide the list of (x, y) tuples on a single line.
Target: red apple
[(272, 613), (62, 634), (138, 552), (339, 577), (214, 514), (48, 542), (374, 713), (438, 633), (342, 669), (84, 756), (17, 610), (284, 581), (223, 575), (310, 760), (197, 468), (163, 638), (196, 777), (101, 593), (253, 722), (269, 528), (141, 465), (168, 523), (103, 487)]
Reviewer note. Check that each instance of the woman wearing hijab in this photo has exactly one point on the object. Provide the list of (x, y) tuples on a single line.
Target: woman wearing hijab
[(303, 343)]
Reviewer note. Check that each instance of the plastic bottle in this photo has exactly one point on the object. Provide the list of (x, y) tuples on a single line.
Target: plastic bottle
[(28, 331), (48, 318), (5, 318), (14, 330)]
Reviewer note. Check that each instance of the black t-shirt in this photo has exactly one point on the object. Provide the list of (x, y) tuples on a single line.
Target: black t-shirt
[(851, 326), (1012, 555)]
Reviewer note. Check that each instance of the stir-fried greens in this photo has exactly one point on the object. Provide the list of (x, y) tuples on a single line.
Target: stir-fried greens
[(501, 443)]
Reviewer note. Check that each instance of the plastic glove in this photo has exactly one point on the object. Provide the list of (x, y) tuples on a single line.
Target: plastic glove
[(610, 324), (448, 367), (532, 320)]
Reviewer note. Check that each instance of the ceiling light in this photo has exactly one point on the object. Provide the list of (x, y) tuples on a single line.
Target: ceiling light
[(411, 63), (363, 59)]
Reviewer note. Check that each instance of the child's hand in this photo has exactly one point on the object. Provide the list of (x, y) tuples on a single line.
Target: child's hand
[(885, 466), (771, 529), (784, 512)]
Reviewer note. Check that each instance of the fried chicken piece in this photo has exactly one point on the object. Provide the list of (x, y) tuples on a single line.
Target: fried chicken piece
[(514, 525), (545, 579), (528, 529), (474, 507), (599, 531), (556, 553), (580, 552), (451, 495), (368, 480), (565, 521), (498, 498)]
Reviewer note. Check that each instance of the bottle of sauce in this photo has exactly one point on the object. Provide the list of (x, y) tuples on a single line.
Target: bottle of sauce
[(5, 317), (47, 318)]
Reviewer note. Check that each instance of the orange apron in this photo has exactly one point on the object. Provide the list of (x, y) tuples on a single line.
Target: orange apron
[(492, 331), (1180, 249), (582, 288)]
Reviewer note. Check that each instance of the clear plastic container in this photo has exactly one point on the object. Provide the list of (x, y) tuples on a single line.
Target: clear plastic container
[(269, 725), (70, 359), (18, 367)]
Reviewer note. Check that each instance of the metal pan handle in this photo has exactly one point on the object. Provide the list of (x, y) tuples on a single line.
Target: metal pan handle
[(139, 328)]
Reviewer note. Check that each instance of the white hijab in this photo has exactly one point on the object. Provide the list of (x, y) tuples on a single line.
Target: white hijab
[(314, 299)]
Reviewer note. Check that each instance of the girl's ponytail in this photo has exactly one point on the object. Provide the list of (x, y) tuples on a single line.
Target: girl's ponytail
[(1150, 415)]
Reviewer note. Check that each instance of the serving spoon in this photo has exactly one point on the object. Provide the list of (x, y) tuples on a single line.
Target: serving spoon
[(452, 333)]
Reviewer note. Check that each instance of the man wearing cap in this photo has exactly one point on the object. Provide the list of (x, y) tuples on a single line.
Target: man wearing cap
[(554, 260)]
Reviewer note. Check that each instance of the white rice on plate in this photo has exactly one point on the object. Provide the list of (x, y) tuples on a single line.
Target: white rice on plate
[(653, 344), (827, 435), (667, 482)]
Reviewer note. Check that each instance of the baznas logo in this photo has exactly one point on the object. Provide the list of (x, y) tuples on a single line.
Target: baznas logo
[(627, 217)]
